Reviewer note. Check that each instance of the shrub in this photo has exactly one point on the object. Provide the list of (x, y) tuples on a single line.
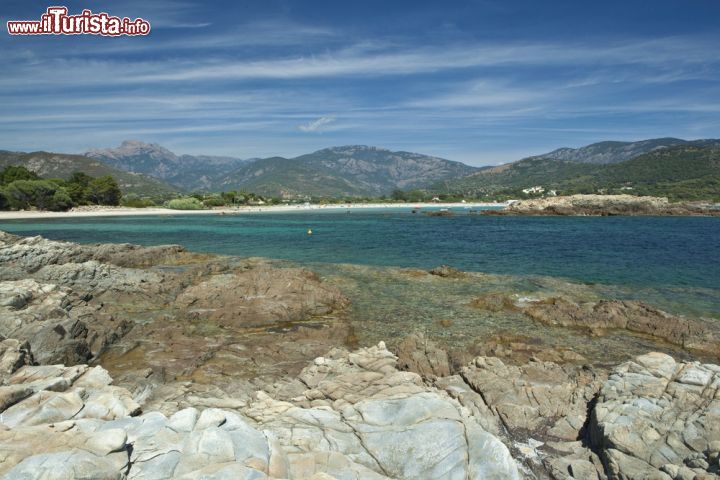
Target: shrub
[(134, 201), (104, 191), (61, 201), (18, 195), (12, 173), (185, 203), (214, 202), (43, 194), (23, 189), (4, 202), (77, 187)]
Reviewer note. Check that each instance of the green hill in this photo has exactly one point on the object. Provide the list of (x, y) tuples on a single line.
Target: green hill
[(343, 171), (615, 152), (516, 176), (288, 177), (685, 172), (59, 165)]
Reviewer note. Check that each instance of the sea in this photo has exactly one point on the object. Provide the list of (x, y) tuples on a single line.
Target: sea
[(672, 263)]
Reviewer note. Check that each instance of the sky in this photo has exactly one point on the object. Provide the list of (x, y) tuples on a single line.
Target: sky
[(479, 81)]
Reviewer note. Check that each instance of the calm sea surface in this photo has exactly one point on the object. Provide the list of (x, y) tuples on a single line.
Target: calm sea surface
[(632, 251), (672, 263)]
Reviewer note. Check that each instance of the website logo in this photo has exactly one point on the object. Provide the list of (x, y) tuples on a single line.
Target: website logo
[(56, 21)]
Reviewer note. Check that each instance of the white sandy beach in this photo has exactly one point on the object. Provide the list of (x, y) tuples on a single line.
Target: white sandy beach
[(96, 211)]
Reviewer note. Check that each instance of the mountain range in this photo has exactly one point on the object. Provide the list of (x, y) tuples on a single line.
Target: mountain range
[(61, 165), (612, 152), (667, 167), (664, 166), (186, 172), (355, 170), (339, 171)]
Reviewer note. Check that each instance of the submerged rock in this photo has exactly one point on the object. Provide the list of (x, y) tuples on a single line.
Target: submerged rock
[(446, 271), (438, 213), (597, 318), (519, 349), (634, 316), (495, 302)]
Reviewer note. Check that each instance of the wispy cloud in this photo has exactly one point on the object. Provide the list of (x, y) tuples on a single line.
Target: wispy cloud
[(268, 83), (316, 125), (481, 94), (662, 60), (187, 25)]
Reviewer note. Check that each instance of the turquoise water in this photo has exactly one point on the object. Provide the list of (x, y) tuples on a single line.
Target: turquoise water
[(672, 263), (631, 251)]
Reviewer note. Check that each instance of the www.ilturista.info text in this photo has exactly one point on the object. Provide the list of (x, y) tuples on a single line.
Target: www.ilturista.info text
[(56, 21)]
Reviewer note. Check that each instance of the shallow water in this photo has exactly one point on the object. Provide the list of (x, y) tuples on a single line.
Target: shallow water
[(389, 303), (670, 262)]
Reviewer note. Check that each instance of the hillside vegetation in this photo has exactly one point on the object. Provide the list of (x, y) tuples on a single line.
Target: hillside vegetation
[(288, 177), (350, 171), (22, 189), (354, 171), (59, 165), (683, 172), (615, 152), (676, 168)]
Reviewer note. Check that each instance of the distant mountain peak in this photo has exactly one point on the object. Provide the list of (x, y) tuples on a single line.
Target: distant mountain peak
[(138, 144), (190, 172), (611, 151), (352, 149)]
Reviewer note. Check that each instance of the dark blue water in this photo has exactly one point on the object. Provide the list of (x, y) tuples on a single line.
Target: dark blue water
[(640, 251)]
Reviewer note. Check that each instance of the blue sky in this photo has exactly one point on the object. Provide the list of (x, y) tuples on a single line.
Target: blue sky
[(484, 82)]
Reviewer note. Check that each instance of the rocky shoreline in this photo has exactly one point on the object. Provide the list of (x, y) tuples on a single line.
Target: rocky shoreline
[(606, 205), (119, 361)]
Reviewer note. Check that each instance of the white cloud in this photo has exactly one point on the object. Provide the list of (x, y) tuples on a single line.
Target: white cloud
[(479, 98), (663, 60), (316, 125), (482, 94)]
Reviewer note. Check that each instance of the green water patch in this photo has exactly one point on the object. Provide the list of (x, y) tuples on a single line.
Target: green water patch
[(390, 303)]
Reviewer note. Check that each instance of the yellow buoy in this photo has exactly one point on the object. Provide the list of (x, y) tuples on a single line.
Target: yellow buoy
[(309, 232)]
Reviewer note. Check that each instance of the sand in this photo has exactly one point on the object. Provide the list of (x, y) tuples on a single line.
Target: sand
[(127, 211)]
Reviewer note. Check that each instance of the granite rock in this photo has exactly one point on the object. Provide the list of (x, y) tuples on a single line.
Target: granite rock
[(420, 355), (260, 296), (658, 418), (361, 418)]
